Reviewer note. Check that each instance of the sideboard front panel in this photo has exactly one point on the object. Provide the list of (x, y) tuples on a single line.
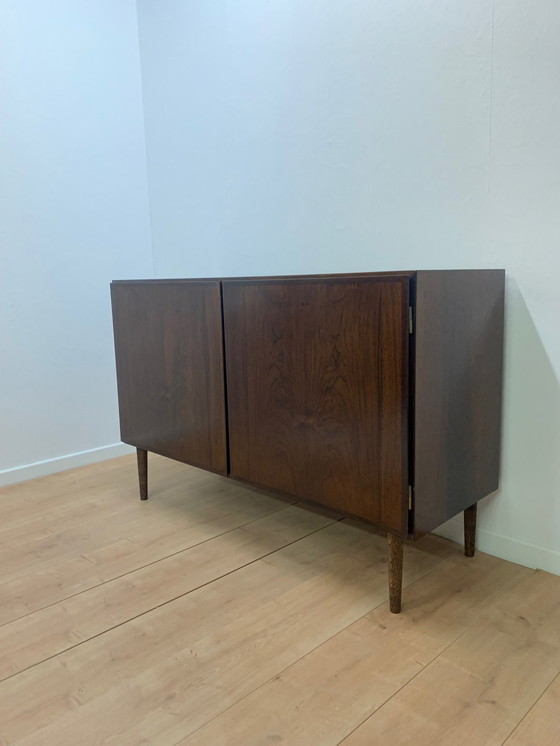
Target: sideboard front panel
[(170, 371), (317, 384)]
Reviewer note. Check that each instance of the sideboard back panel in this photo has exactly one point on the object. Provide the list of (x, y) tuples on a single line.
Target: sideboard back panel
[(170, 369), (317, 385)]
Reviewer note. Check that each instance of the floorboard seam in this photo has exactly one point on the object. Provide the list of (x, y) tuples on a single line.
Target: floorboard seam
[(535, 703), (164, 603), (148, 564), (293, 663), (424, 668)]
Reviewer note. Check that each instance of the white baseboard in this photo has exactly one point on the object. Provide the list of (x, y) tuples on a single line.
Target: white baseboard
[(498, 545), (61, 463)]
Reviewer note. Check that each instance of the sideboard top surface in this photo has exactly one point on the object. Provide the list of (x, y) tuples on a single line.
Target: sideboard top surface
[(276, 278), (272, 278)]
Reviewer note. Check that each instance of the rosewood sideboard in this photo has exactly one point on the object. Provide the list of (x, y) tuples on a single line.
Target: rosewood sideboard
[(377, 395)]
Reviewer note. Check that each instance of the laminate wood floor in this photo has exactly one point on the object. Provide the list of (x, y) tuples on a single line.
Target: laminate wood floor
[(216, 614)]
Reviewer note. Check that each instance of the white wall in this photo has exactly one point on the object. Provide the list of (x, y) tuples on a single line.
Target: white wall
[(322, 136), (73, 216)]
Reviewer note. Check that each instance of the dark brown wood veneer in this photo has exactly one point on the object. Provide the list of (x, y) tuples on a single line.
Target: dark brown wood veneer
[(458, 391), (170, 370), (317, 380), (376, 394)]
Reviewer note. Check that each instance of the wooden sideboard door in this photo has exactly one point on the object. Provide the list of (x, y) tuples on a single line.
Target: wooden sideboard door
[(317, 387), (170, 369)]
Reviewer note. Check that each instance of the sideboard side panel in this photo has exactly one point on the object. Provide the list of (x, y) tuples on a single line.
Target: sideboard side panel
[(317, 379), (459, 320), (170, 371)]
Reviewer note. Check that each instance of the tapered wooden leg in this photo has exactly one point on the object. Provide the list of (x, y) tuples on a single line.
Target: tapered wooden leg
[(142, 457), (470, 530), (395, 565)]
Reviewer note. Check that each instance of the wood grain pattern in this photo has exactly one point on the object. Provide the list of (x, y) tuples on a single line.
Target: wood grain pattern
[(297, 647), (469, 520), (317, 380), (170, 370), (541, 725), (485, 683), (63, 625), (169, 671), (395, 570), (142, 459), (55, 545), (458, 391), (330, 396), (325, 695)]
